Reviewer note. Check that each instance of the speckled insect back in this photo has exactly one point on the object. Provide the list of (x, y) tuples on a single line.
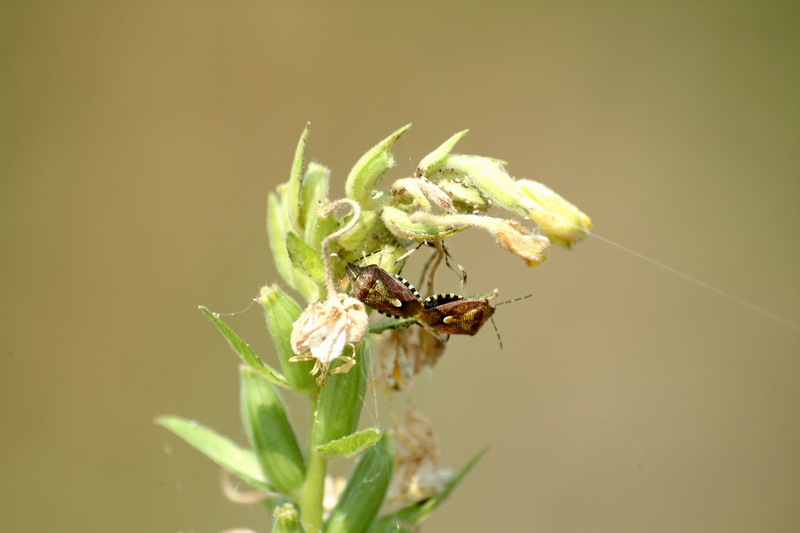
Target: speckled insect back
[(385, 292), (451, 314)]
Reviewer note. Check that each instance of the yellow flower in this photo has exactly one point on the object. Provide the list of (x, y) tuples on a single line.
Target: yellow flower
[(559, 219)]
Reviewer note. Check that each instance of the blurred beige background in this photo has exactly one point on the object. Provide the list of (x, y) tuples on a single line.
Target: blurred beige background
[(138, 142)]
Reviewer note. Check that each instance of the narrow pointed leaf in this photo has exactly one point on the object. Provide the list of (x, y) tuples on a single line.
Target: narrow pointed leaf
[(270, 433), (314, 191), (370, 169), (277, 231), (351, 445), (295, 181), (238, 461), (415, 514), (245, 351), (280, 313), (361, 501), (301, 282), (432, 161), (305, 259)]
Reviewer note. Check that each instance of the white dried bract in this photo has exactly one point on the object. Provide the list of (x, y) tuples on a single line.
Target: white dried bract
[(512, 236), (324, 329), (417, 474), (402, 354)]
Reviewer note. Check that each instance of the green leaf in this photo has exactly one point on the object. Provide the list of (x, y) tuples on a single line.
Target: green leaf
[(238, 461), (280, 313), (365, 491), (489, 176), (270, 433), (370, 169), (466, 197), (295, 181), (413, 515), (314, 191), (277, 232), (340, 400), (245, 351), (432, 161), (305, 259), (404, 226), (278, 228), (351, 445)]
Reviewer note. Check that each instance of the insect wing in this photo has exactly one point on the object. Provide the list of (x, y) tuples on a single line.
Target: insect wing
[(386, 293), (457, 316)]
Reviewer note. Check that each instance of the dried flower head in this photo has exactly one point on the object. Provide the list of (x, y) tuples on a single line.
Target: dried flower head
[(323, 331), (401, 358), (417, 474)]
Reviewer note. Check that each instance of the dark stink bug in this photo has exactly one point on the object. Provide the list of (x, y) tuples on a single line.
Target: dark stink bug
[(445, 314), (387, 293), (451, 314)]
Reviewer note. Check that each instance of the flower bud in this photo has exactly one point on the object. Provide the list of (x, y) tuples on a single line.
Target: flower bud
[(560, 220), (532, 248), (416, 193), (286, 519), (404, 226), (464, 197), (488, 176), (431, 162), (370, 168)]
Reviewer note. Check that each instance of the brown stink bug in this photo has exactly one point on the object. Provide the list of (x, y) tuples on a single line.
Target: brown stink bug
[(385, 292), (451, 314)]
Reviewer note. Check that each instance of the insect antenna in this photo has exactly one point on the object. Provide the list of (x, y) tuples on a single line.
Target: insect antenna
[(514, 300), (497, 332)]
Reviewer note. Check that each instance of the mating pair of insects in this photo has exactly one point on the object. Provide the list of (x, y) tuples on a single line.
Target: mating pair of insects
[(391, 295)]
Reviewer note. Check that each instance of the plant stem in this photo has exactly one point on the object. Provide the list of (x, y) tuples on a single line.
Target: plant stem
[(313, 491), (314, 486)]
